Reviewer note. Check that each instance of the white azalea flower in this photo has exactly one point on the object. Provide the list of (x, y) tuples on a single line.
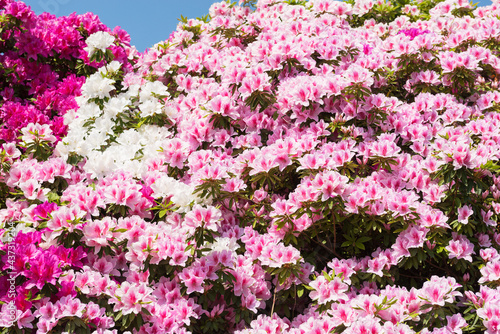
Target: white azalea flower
[(150, 88), (225, 243), (96, 138), (182, 194), (98, 41), (97, 86), (113, 67), (150, 107), (116, 105), (88, 110), (99, 164)]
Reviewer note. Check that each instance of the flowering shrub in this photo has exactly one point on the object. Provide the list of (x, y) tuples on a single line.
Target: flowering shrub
[(44, 61), (303, 167), (43, 64)]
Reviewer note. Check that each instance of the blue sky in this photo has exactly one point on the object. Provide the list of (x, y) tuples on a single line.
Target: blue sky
[(147, 21)]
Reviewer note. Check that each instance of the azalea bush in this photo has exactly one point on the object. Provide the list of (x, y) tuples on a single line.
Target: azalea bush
[(274, 167), (43, 65)]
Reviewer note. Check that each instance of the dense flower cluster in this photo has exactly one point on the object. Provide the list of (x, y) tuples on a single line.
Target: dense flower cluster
[(43, 63), (299, 167)]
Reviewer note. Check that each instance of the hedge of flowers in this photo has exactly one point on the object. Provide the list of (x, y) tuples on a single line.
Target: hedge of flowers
[(288, 167), (43, 64)]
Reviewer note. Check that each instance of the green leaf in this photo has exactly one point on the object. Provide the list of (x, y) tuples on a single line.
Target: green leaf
[(364, 239), (346, 244), (79, 322), (139, 321), (360, 245), (300, 292), (145, 311), (118, 316)]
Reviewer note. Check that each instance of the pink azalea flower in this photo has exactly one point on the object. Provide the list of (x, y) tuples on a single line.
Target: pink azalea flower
[(24, 319), (44, 209), (455, 323), (326, 291), (132, 297), (98, 233), (48, 312), (276, 256), (45, 268), (439, 290), (365, 325), (35, 132), (464, 213), (377, 265), (234, 185), (199, 216), (70, 307), (490, 272), (193, 279), (461, 248)]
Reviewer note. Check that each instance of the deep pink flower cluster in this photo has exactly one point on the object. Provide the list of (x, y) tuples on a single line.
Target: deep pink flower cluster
[(38, 267), (303, 167), (43, 65), (413, 32)]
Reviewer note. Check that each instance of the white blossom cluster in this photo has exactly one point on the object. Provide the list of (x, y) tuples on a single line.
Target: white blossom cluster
[(98, 41), (95, 133)]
